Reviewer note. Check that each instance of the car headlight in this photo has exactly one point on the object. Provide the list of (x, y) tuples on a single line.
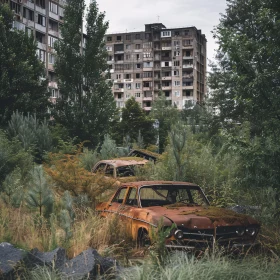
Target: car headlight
[(251, 231), (179, 234), (240, 232)]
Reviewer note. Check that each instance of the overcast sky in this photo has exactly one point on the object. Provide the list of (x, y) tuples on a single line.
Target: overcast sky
[(132, 15)]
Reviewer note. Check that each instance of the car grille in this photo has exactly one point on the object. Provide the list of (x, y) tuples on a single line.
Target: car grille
[(220, 235)]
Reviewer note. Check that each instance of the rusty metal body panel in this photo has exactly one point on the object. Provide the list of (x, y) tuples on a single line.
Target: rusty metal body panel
[(115, 165), (146, 205)]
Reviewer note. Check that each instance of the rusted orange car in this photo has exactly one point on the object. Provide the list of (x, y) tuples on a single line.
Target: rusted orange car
[(184, 213)]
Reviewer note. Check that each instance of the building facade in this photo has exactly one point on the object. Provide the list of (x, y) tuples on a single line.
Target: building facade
[(42, 18), (170, 60)]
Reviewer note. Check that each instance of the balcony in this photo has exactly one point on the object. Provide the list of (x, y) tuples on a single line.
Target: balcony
[(166, 87), (166, 48), (148, 98), (119, 52), (188, 66), (54, 16), (118, 90), (147, 88), (41, 46), (167, 78), (187, 76), (147, 59), (187, 87), (187, 57), (119, 61), (157, 58), (187, 47), (52, 32), (147, 108), (148, 79), (53, 85)]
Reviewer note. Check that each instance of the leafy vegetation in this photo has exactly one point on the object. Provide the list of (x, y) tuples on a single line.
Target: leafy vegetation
[(21, 85)]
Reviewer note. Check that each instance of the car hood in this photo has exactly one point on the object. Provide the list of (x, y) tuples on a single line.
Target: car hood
[(198, 217)]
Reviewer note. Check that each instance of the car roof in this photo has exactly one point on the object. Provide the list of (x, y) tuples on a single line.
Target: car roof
[(143, 152), (118, 162), (151, 183)]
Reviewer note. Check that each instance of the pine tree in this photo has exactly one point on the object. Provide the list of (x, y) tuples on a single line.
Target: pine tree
[(40, 196), (87, 106)]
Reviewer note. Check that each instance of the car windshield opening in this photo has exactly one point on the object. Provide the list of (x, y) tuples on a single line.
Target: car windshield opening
[(125, 171), (162, 195)]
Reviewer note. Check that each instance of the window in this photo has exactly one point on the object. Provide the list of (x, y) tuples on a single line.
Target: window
[(127, 47), (51, 58), (137, 56), (41, 55), (137, 46), (128, 37), (148, 64), (52, 41), (53, 25), (176, 73), (166, 34), (187, 42), (177, 33), (138, 94), (109, 48), (147, 74), (138, 75), (176, 83), (127, 57), (186, 32), (138, 65), (177, 93), (176, 43), (28, 14), (119, 96), (119, 38), (166, 63), (147, 55), (176, 63), (119, 197), (127, 66), (54, 93), (119, 76), (138, 85), (109, 39), (127, 76), (176, 53), (137, 36), (147, 45), (128, 86), (42, 21), (127, 95), (53, 7), (15, 7), (118, 67), (132, 197)]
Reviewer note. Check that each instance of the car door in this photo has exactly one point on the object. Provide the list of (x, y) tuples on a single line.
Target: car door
[(114, 205)]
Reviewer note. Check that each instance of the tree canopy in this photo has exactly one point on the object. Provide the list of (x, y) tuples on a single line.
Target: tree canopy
[(245, 81), (86, 107), (21, 85)]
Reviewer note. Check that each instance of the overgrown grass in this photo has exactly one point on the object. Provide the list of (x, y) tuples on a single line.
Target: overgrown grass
[(27, 230), (181, 266)]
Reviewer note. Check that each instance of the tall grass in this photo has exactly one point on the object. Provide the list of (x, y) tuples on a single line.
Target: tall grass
[(27, 230), (181, 266)]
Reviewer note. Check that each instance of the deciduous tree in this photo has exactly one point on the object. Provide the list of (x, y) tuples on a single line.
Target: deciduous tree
[(86, 107), (21, 86)]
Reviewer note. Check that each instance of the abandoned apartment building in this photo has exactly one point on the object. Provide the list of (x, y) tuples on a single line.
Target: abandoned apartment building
[(141, 63), (159, 59)]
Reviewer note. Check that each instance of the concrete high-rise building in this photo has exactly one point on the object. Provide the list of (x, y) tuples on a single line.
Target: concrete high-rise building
[(171, 60), (42, 18)]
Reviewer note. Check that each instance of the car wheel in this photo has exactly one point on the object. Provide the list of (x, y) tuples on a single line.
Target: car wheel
[(143, 238)]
